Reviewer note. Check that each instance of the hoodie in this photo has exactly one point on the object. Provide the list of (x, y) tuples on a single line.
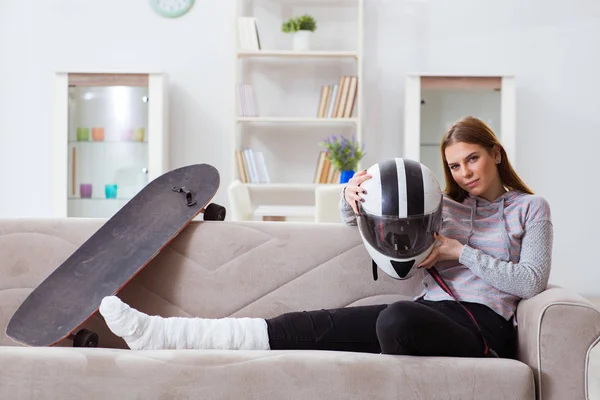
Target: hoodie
[(506, 255)]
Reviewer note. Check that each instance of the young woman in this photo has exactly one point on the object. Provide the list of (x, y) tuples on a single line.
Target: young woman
[(494, 249)]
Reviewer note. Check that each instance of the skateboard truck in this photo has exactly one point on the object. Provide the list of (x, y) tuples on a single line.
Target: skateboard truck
[(84, 338), (189, 196)]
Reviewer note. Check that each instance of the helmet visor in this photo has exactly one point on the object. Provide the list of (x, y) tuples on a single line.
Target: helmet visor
[(400, 238)]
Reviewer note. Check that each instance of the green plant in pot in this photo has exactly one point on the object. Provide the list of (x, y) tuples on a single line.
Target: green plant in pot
[(344, 154), (302, 28)]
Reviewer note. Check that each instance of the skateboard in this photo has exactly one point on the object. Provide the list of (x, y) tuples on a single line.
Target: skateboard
[(113, 255)]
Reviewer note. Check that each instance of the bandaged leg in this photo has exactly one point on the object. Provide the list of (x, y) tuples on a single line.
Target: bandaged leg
[(141, 331)]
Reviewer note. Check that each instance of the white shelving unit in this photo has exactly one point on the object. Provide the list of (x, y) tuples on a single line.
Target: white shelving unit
[(287, 86), (434, 101), (110, 129)]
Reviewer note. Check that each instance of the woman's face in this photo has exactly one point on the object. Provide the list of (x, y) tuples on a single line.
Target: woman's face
[(475, 169)]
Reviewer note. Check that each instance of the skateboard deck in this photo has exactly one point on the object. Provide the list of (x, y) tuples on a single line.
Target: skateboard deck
[(113, 255)]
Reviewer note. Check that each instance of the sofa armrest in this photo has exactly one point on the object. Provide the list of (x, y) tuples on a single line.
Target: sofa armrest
[(556, 331)]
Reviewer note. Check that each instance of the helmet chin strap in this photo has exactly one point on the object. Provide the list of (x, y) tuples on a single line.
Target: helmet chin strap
[(487, 351), (374, 270)]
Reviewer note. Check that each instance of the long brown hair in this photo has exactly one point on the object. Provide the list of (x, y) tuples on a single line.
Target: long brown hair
[(474, 131)]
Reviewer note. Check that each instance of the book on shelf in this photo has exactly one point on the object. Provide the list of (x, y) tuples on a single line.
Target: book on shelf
[(325, 171), (338, 100), (253, 169), (248, 38), (247, 101), (251, 166)]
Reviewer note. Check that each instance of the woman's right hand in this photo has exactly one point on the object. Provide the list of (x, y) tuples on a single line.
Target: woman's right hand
[(353, 192)]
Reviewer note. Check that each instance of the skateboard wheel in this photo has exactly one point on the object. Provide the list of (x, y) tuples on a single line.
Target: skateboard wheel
[(85, 338), (214, 212)]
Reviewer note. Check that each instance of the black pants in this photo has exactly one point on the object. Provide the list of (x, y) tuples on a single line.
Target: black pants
[(421, 327)]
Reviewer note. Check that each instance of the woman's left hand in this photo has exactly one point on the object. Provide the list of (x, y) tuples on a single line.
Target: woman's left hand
[(448, 249)]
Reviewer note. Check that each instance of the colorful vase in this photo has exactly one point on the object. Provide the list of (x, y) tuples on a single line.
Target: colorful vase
[(127, 135), (138, 135), (83, 134), (110, 191), (97, 134), (346, 175), (85, 190)]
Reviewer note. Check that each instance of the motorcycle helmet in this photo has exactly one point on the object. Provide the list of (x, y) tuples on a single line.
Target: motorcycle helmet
[(401, 212)]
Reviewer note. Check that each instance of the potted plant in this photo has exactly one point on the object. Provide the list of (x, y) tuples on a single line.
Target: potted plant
[(302, 28), (344, 154)]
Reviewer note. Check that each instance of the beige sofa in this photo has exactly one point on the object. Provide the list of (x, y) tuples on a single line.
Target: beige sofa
[(261, 269)]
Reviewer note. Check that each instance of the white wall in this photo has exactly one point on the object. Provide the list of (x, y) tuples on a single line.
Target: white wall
[(548, 44), (39, 37)]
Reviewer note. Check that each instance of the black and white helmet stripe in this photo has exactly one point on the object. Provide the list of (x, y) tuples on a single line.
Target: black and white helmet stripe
[(388, 174), (403, 197)]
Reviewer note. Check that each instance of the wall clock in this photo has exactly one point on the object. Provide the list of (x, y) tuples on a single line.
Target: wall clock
[(171, 8)]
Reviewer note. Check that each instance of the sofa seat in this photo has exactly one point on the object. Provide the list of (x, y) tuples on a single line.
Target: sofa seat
[(290, 375)]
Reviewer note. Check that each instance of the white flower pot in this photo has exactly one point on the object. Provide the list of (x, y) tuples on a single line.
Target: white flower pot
[(302, 40)]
